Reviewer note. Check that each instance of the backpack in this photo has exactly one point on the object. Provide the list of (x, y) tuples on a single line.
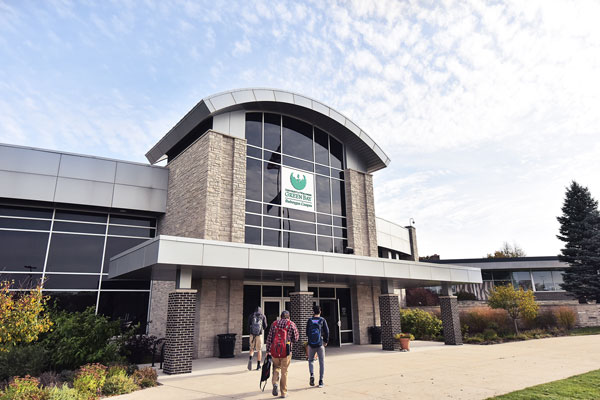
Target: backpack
[(256, 325), (265, 374), (314, 332), (279, 347)]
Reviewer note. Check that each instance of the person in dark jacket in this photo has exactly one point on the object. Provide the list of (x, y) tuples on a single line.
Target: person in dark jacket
[(257, 323), (317, 332)]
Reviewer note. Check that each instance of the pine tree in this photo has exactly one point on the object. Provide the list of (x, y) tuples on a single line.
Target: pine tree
[(580, 230)]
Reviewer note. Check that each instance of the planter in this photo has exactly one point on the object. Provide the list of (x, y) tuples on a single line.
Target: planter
[(404, 344)]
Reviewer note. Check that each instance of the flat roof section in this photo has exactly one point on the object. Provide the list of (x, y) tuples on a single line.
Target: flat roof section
[(164, 253), (279, 101)]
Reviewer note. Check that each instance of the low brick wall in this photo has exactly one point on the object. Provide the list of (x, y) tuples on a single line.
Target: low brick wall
[(587, 314)]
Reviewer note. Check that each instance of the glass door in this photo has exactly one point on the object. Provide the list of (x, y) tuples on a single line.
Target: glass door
[(272, 310), (329, 311)]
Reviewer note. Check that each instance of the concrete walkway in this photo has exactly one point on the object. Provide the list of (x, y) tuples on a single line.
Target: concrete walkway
[(429, 371)]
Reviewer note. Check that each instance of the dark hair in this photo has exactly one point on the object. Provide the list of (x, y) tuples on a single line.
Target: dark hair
[(285, 314), (316, 309)]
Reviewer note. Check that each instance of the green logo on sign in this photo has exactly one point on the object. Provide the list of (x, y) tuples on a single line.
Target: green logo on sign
[(298, 183)]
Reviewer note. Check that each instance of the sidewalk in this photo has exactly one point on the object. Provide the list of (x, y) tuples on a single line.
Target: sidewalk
[(429, 371)]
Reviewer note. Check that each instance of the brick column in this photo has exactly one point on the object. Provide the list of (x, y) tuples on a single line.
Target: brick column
[(301, 304), (181, 313), (450, 320), (389, 309)]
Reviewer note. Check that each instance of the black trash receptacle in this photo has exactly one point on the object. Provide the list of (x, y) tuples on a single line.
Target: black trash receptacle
[(375, 332), (226, 345)]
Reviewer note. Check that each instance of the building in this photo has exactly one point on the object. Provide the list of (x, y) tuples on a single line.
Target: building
[(266, 199)]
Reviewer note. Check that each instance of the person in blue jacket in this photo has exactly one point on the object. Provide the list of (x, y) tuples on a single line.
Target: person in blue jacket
[(317, 332)]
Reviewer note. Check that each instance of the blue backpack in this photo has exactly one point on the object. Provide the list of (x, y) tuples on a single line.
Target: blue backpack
[(314, 332)]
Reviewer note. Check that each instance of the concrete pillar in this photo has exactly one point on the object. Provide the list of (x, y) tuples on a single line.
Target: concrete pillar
[(389, 309), (414, 250), (181, 313), (450, 317), (301, 311)]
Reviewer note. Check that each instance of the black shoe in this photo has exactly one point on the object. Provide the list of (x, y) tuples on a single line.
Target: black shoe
[(312, 381), (257, 366), (250, 365), (321, 383), (275, 391)]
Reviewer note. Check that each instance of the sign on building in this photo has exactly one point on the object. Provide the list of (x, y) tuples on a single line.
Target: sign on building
[(298, 189)]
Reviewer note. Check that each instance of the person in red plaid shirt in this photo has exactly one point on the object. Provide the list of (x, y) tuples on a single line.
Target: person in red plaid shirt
[(282, 364)]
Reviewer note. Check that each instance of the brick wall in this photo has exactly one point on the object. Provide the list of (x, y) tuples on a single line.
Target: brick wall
[(450, 320), (389, 306), (360, 213), (365, 311), (301, 310), (180, 332), (159, 297)]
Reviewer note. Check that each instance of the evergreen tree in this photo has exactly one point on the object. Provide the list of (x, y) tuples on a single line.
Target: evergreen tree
[(580, 230)]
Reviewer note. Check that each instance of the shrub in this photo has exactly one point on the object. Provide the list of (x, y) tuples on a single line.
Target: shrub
[(82, 337), (63, 392), (138, 348), (116, 370), (545, 320), (118, 383), (465, 296), (26, 388), (420, 323), (145, 377), (421, 297), (89, 380), (477, 320), (517, 303), (565, 317), (50, 379), (477, 339), (536, 334), (67, 376), (490, 334), (31, 359)]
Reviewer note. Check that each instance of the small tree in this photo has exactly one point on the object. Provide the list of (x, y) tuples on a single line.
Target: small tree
[(22, 316), (517, 303), (508, 251)]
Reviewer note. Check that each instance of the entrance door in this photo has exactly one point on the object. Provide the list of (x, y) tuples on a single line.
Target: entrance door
[(329, 311), (272, 310)]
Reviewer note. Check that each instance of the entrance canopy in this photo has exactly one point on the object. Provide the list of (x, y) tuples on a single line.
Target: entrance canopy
[(214, 258)]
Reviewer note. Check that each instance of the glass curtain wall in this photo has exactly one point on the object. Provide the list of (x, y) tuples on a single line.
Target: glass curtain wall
[(70, 251), (277, 140), (538, 280)]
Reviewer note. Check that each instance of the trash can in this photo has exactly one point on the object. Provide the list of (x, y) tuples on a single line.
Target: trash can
[(375, 332), (226, 345)]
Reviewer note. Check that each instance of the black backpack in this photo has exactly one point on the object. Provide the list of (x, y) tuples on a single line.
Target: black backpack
[(256, 325), (314, 332), (266, 372)]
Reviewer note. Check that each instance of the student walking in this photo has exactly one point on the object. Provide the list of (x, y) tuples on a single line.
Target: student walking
[(317, 332), (257, 323), (279, 345)]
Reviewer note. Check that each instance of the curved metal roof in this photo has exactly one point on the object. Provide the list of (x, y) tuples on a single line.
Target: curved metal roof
[(280, 101)]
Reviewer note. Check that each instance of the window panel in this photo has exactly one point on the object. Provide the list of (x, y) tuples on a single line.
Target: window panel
[(298, 226), (299, 214), (486, 275), (271, 291), (323, 194), (270, 209), (71, 281), (339, 232), (251, 300), (272, 133), (252, 219), (319, 169), (73, 301), (326, 292), (271, 238), (339, 245), (299, 164), (18, 249), (339, 221), (13, 211), (253, 207), (117, 245), (501, 275), (75, 253), (522, 279), (299, 241), (324, 230), (337, 153), (321, 147), (252, 235), (253, 179), (126, 306), (125, 284), (78, 227), (297, 138), (253, 152), (336, 173), (272, 188), (339, 197), (557, 278), (325, 244), (22, 281), (254, 129), (80, 216), (324, 219), (128, 231), (136, 221), (272, 157), (542, 280), (31, 224), (269, 222)]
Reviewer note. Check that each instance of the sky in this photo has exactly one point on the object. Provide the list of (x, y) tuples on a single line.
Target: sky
[(487, 109)]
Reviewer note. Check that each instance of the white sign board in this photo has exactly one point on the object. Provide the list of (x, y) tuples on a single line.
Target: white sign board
[(297, 189)]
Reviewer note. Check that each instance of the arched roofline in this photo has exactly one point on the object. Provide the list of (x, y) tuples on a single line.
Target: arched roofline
[(275, 101)]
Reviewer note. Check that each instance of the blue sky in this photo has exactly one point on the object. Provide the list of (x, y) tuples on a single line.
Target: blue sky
[(487, 109)]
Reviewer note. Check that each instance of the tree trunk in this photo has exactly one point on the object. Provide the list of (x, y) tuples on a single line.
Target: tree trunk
[(516, 326)]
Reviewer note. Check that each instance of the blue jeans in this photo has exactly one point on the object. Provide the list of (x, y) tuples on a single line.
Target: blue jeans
[(320, 351)]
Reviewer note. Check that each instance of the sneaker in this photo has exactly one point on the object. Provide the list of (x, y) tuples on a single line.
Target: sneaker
[(321, 383), (250, 365), (312, 381), (283, 396), (258, 366), (275, 390)]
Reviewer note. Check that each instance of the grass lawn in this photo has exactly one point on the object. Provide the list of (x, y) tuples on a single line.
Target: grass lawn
[(592, 330), (585, 387)]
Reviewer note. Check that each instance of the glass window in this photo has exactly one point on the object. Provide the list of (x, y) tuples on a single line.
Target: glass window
[(129, 307), (315, 292), (299, 241), (21, 281), (298, 226), (321, 147), (80, 216), (252, 235), (522, 279), (128, 231), (339, 232), (125, 284), (339, 245), (73, 301), (336, 173), (271, 238), (270, 209), (299, 164), (325, 244), (319, 169), (253, 207), (272, 189), (253, 152), (12, 211), (274, 223), (75, 253), (117, 245), (343, 294), (339, 221), (253, 179), (339, 197), (501, 275), (326, 292), (299, 214), (136, 221), (252, 219), (337, 153), (251, 300), (78, 227), (273, 132), (71, 281), (20, 249), (486, 275), (542, 280), (272, 157), (323, 194), (254, 129), (271, 291), (324, 219), (33, 224), (557, 277), (297, 138), (287, 290), (324, 230)]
